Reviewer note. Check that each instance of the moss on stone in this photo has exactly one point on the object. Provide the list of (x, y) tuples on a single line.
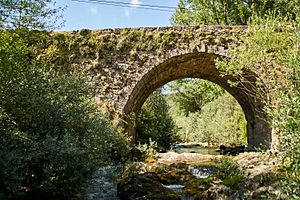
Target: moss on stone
[(86, 44), (124, 54), (233, 181)]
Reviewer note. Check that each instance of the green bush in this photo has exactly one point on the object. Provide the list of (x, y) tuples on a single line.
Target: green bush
[(41, 167), (227, 167), (233, 180), (192, 94), (52, 134), (148, 150), (288, 122)]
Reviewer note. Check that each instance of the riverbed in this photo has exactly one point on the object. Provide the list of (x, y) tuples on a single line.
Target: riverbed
[(198, 162), (103, 184)]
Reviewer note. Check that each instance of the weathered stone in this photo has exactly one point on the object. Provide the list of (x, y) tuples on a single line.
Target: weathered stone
[(148, 58), (145, 186)]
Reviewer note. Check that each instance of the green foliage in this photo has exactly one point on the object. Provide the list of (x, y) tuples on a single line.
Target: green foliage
[(225, 12), (155, 122), (131, 169), (221, 121), (149, 150), (233, 180), (204, 112), (52, 134), (31, 14), (192, 94), (229, 170), (207, 180), (266, 179), (287, 120), (272, 50)]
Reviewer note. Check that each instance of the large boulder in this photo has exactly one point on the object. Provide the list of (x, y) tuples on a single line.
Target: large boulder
[(145, 187)]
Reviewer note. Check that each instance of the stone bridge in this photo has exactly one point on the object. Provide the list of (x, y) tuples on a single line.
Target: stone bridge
[(126, 65)]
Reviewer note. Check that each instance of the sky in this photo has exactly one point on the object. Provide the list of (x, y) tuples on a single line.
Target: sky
[(81, 15)]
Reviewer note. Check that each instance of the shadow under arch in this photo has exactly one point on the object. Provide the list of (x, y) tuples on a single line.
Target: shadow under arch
[(198, 65)]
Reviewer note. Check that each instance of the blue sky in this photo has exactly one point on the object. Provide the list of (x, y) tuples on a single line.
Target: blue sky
[(79, 15)]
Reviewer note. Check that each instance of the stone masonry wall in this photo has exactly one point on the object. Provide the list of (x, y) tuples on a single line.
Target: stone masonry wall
[(124, 66)]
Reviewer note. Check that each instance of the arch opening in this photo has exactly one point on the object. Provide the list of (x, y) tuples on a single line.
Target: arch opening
[(191, 111), (198, 65)]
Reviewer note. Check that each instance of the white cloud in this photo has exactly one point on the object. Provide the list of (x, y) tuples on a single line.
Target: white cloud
[(93, 11), (135, 3), (126, 13)]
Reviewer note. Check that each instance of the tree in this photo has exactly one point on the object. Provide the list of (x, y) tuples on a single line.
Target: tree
[(192, 94), (155, 122), (31, 14), (231, 12), (220, 121)]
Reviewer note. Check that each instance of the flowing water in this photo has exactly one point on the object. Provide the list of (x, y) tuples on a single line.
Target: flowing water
[(178, 189), (101, 186), (201, 172), (198, 172)]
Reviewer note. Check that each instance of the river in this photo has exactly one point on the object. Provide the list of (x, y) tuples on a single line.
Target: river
[(102, 186)]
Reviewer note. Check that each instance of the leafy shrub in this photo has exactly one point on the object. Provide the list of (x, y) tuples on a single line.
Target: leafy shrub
[(288, 124), (52, 134), (190, 95), (227, 167), (233, 180), (148, 150)]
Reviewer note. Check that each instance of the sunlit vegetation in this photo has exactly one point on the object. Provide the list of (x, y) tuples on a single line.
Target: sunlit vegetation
[(154, 122), (224, 12), (220, 121), (272, 50), (53, 136), (192, 110)]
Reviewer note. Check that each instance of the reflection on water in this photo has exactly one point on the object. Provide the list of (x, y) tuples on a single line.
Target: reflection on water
[(195, 149), (178, 189)]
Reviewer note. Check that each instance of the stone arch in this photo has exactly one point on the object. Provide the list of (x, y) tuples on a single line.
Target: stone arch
[(197, 65)]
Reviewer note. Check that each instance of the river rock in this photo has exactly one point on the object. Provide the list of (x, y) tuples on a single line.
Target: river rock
[(143, 187), (215, 191), (233, 151)]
